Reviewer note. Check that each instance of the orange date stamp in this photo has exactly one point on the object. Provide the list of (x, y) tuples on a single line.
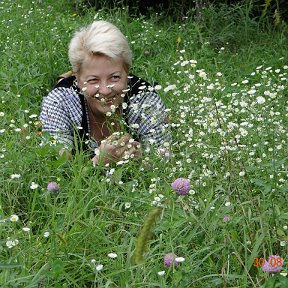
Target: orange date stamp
[(273, 262)]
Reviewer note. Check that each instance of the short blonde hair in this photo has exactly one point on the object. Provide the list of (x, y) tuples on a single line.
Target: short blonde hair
[(100, 37)]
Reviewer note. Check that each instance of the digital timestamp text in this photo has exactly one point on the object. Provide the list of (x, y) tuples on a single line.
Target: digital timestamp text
[(273, 261)]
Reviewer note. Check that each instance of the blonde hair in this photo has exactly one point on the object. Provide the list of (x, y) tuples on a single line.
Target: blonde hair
[(100, 37)]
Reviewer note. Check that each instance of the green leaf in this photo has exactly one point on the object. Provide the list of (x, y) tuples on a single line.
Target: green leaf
[(280, 233), (277, 281), (57, 268), (255, 250)]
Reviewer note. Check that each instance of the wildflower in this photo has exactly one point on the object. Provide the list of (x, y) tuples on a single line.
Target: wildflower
[(179, 259), (260, 100), (251, 92), (11, 243), (241, 173), (112, 255), (33, 116), (26, 229), (161, 273), (142, 87), (127, 205), (113, 108), (273, 264), (282, 243), (164, 151), (170, 259), (181, 186), (15, 176), (53, 187), (99, 267), (14, 218), (226, 218), (202, 74), (34, 186), (135, 126), (170, 87)]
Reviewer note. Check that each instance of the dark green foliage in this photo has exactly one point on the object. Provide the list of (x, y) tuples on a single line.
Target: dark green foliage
[(274, 10), (175, 8)]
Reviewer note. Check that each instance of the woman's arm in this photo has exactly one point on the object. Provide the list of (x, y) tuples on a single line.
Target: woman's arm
[(152, 119), (58, 107)]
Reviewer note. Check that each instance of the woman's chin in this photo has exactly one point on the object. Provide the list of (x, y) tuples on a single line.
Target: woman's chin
[(107, 108)]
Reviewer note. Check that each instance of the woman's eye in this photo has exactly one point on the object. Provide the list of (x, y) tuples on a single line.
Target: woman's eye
[(93, 81), (115, 77)]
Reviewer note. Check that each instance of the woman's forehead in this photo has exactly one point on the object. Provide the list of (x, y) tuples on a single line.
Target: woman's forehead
[(101, 65)]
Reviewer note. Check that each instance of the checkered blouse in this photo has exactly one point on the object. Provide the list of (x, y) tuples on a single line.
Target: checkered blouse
[(145, 116)]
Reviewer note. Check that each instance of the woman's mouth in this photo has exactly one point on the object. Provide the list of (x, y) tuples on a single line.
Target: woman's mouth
[(103, 100)]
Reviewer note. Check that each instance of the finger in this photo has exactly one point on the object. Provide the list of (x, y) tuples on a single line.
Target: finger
[(133, 144), (119, 152), (123, 141), (137, 144), (125, 138), (135, 152), (113, 137)]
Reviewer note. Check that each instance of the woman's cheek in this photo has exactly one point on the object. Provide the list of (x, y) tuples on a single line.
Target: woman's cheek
[(91, 91)]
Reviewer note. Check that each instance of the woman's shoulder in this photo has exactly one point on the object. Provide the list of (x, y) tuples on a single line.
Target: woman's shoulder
[(63, 92), (138, 85)]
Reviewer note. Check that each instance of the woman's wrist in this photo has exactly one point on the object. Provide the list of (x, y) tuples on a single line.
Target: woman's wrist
[(100, 157)]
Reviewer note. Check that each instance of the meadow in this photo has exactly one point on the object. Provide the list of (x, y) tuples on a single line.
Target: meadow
[(224, 82)]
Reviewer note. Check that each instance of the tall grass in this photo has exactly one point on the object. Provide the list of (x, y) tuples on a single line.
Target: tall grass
[(229, 123)]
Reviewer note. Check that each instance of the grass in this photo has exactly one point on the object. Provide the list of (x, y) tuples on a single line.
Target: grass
[(229, 123)]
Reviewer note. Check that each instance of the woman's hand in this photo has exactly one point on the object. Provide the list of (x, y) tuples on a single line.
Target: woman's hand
[(115, 148)]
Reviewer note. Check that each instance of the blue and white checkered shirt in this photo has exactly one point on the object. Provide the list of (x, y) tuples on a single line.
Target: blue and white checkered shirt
[(146, 114)]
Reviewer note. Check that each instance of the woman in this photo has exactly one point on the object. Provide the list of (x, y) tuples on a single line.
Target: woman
[(101, 106)]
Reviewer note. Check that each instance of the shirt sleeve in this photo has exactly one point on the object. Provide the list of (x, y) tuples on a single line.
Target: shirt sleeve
[(55, 116), (148, 115)]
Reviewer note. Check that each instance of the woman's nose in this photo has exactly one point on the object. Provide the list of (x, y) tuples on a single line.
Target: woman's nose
[(104, 89)]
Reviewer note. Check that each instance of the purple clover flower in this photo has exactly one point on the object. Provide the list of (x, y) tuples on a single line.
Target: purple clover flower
[(53, 187), (273, 264), (169, 259), (226, 218), (181, 186)]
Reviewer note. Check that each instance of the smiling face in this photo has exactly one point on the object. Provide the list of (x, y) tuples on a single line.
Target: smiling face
[(102, 80)]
